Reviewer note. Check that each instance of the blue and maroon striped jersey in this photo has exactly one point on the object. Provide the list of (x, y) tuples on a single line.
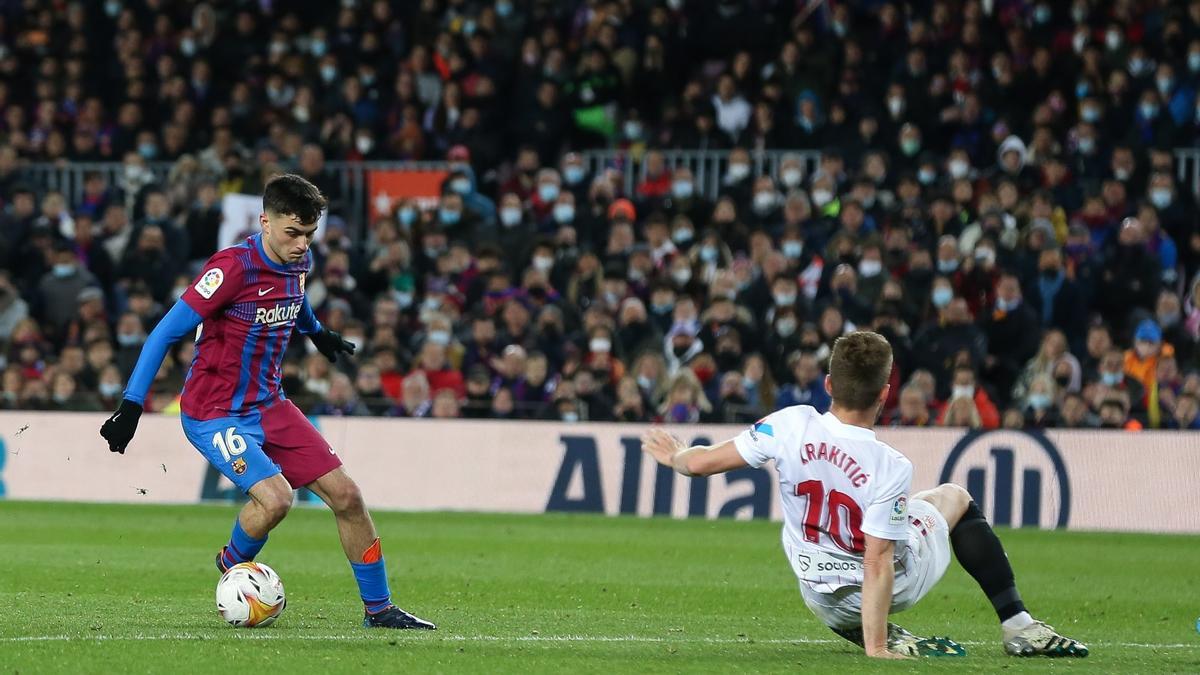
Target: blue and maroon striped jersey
[(248, 306)]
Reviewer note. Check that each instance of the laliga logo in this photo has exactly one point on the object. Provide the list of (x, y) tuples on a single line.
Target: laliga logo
[(1017, 477)]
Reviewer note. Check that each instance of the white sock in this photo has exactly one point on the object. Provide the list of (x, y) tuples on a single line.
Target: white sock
[(1017, 621)]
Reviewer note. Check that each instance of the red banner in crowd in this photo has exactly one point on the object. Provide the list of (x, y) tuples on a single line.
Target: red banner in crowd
[(387, 187)]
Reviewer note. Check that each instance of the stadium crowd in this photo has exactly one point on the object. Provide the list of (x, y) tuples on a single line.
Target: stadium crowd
[(996, 194)]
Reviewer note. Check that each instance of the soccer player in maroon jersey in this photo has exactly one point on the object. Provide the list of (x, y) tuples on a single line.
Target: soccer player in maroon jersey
[(246, 303)]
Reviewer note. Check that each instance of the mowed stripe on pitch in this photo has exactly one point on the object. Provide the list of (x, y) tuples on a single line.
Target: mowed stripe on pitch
[(517, 639)]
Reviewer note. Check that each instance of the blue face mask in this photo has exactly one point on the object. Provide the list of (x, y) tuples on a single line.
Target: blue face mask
[(1007, 305), (942, 296), (461, 185), (109, 389), (504, 8), (548, 192), (408, 216), (573, 174), (64, 270), (147, 150), (1111, 379), (1039, 401), (449, 217), (564, 213)]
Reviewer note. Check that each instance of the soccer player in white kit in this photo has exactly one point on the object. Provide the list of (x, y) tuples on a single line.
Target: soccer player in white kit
[(862, 545)]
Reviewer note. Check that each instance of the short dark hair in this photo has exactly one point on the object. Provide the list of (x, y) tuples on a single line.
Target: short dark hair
[(292, 195), (859, 369)]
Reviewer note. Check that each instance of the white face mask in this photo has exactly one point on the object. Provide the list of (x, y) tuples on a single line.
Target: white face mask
[(600, 344), (681, 275), (790, 177), (764, 202), (564, 213), (363, 144), (543, 263), (870, 268), (738, 171), (821, 197), (959, 168), (510, 216), (963, 391)]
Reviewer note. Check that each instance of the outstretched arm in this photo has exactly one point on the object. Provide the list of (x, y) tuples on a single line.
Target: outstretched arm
[(697, 460), (179, 321), (118, 430)]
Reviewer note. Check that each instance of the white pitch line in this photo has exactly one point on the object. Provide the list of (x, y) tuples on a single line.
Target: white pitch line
[(518, 638)]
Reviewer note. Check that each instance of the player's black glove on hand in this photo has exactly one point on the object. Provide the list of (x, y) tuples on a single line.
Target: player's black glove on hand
[(119, 428), (331, 344)]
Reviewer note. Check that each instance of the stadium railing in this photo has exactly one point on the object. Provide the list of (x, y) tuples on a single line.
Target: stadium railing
[(1187, 168), (707, 166), (68, 178)]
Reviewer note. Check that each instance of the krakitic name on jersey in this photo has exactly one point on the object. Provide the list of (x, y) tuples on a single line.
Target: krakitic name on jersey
[(837, 457), (278, 314)]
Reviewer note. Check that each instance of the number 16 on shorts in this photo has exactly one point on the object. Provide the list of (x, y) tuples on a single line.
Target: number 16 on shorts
[(234, 446)]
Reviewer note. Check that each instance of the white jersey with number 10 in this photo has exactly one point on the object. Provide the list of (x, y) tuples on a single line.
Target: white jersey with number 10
[(837, 482)]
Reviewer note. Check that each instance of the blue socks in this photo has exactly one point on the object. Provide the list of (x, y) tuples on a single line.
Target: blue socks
[(371, 576), (242, 547)]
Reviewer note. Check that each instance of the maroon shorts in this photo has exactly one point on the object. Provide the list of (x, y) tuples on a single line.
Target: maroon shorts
[(292, 442)]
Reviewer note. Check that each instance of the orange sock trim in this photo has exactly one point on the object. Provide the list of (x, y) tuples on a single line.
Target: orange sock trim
[(374, 552)]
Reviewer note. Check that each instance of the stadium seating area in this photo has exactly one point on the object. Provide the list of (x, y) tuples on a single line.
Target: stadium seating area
[(1008, 215)]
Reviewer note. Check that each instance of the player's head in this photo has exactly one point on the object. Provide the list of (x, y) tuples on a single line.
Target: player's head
[(291, 208), (858, 371)]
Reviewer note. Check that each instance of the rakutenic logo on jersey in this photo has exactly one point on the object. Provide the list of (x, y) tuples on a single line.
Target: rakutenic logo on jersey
[(278, 314)]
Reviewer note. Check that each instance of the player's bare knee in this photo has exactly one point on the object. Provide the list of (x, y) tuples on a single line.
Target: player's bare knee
[(276, 504), (347, 500), (955, 500)]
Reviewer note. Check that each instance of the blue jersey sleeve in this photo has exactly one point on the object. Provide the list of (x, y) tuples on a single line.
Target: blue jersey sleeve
[(307, 321), (178, 322)]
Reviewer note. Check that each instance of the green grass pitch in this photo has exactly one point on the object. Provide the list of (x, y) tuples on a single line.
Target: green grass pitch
[(100, 588)]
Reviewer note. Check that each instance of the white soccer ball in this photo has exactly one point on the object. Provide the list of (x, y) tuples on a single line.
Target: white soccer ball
[(250, 595)]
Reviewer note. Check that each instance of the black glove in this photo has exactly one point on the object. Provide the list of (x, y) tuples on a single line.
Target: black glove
[(119, 428), (331, 344)]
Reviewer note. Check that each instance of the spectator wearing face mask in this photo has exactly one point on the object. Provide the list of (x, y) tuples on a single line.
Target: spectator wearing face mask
[(1141, 361), (1012, 334), (1111, 380), (1039, 404), (965, 387), (60, 287)]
